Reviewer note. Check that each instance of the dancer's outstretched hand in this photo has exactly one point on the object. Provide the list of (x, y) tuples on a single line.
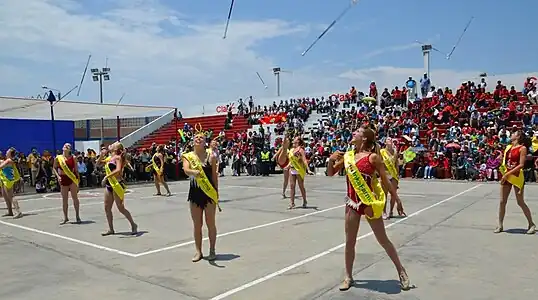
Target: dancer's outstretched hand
[(336, 156), (399, 207)]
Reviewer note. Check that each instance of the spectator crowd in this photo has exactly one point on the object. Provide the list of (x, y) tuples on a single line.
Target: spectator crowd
[(457, 134)]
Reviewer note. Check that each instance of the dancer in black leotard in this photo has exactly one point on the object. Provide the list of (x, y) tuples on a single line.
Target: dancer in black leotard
[(115, 187), (202, 201)]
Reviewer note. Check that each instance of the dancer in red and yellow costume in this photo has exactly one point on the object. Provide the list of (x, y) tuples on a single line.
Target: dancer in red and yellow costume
[(115, 187), (65, 169), (281, 158), (389, 154), (298, 170), (512, 171), (365, 197)]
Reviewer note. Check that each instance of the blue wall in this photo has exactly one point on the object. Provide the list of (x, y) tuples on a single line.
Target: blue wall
[(27, 134)]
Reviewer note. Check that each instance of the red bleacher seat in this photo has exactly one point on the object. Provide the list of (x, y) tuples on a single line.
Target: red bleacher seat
[(216, 122)]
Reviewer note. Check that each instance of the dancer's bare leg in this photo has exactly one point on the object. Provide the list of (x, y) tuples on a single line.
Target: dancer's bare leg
[(197, 222), (352, 223), (210, 221)]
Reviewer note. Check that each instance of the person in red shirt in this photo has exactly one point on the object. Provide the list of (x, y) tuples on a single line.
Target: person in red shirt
[(515, 161), (396, 95), (353, 93), (504, 93), (513, 91), (373, 90)]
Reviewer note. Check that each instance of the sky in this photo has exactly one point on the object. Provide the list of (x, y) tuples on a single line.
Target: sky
[(171, 52)]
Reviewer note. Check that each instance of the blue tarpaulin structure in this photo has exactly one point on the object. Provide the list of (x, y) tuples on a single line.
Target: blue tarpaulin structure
[(24, 135)]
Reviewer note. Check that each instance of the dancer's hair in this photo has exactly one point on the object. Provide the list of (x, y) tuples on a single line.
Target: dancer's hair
[(370, 143), (523, 139), (119, 149), (11, 152)]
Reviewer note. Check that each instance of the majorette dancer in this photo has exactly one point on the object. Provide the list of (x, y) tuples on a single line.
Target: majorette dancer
[(157, 168), (9, 176), (365, 197), (281, 158), (115, 187), (389, 155), (512, 170), (298, 170), (203, 197), (65, 170)]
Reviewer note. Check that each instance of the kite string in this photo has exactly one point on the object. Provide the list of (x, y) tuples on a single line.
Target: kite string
[(228, 20), (461, 36), (353, 2)]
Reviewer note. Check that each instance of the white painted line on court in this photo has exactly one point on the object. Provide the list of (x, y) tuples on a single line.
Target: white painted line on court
[(56, 195), (239, 231), (57, 198), (90, 204), (312, 190), (68, 239), (327, 252), (59, 208)]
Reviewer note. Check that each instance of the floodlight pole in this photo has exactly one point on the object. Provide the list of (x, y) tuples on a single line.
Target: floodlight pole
[(99, 75), (276, 72), (426, 50), (101, 100)]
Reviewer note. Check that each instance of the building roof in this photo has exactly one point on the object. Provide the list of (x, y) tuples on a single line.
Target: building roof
[(25, 108)]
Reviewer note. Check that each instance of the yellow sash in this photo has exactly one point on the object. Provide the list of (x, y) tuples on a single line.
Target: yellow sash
[(375, 199), (10, 183), (202, 180), (66, 170), (294, 160), (118, 188), (389, 163), (518, 180), (154, 165)]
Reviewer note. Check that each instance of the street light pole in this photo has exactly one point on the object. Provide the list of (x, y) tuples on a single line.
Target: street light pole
[(52, 100), (100, 75)]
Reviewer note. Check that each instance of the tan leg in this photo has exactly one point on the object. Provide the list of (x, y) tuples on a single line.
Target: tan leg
[(378, 227), (197, 222), (76, 202), (352, 224), (210, 221), (505, 192)]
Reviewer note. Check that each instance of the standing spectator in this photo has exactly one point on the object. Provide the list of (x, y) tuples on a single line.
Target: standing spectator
[(373, 90), (411, 86), (32, 159), (425, 85)]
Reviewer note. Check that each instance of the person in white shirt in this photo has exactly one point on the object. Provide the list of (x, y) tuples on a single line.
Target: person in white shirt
[(431, 93), (533, 96)]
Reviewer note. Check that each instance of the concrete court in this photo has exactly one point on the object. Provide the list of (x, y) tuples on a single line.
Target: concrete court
[(268, 252)]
